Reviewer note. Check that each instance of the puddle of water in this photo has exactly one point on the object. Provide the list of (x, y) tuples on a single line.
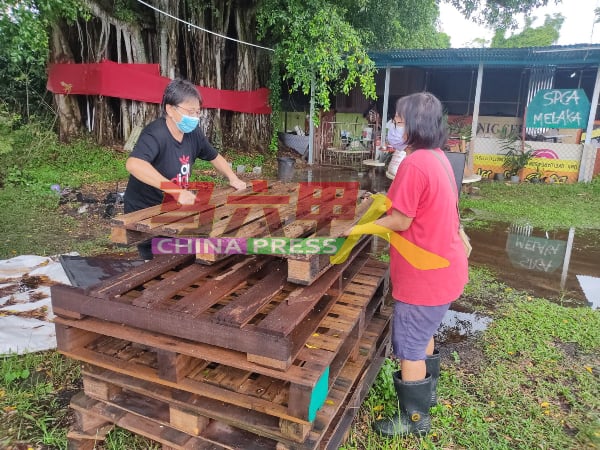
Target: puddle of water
[(557, 264), (457, 326), (370, 179)]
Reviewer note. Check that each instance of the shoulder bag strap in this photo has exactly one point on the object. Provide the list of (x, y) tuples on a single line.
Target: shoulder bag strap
[(450, 178)]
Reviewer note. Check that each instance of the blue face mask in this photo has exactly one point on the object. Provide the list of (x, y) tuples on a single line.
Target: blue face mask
[(187, 124), (395, 137)]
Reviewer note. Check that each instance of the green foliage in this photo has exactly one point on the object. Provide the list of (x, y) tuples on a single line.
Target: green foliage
[(24, 29), (314, 45), (7, 122), (249, 161), (394, 24), (483, 289), (119, 439), (275, 101), (516, 153), (36, 159), (124, 11), (33, 222), (382, 399), (34, 162), (544, 35), (516, 159), (497, 12)]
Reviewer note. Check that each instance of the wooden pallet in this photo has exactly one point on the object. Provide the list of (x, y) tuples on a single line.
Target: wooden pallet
[(227, 375), (242, 304), (181, 420), (234, 218)]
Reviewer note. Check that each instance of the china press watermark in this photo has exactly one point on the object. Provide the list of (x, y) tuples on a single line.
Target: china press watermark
[(246, 246), (319, 202)]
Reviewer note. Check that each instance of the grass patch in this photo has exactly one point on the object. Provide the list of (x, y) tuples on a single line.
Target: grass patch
[(549, 206), (535, 385), (35, 390), (34, 224), (34, 398)]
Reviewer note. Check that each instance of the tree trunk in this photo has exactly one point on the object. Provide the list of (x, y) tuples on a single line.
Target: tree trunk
[(182, 51), (252, 132), (69, 115)]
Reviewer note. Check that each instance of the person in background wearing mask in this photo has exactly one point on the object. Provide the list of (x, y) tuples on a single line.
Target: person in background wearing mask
[(162, 159), (396, 138)]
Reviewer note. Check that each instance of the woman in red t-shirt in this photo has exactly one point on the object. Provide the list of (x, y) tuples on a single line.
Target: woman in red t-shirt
[(425, 281)]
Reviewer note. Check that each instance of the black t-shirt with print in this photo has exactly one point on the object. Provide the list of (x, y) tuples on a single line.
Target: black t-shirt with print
[(172, 159)]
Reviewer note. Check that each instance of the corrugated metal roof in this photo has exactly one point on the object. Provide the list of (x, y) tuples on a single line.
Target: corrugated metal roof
[(567, 55)]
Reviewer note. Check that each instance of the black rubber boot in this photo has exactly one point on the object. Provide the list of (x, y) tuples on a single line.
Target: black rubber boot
[(432, 366), (413, 416)]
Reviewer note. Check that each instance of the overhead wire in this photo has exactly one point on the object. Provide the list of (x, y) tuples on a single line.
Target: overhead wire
[(202, 29)]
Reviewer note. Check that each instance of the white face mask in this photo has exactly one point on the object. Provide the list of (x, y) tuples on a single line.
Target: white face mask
[(395, 136)]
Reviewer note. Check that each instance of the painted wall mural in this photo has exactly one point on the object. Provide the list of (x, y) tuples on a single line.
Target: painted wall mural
[(545, 166)]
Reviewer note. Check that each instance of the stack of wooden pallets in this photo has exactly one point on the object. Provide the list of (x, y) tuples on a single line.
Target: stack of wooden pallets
[(227, 355)]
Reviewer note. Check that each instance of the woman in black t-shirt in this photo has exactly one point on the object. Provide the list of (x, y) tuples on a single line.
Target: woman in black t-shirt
[(164, 154)]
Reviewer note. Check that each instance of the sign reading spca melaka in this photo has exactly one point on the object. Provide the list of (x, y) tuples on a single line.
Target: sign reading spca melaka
[(558, 108)]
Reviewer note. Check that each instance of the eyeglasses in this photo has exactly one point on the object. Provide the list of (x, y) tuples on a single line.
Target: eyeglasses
[(191, 112)]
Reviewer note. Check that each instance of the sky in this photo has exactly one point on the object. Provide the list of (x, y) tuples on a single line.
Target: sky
[(577, 28)]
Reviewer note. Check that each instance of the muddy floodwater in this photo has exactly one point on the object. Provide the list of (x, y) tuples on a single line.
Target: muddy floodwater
[(557, 265), (562, 264)]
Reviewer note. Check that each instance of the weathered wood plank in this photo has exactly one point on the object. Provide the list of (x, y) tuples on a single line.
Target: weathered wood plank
[(126, 281), (184, 220), (250, 302), (155, 429), (350, 383), (248, 339), (173, 284), (100, 390), (289, 314), (213, 290), (187, 421), (247, 419), (174, 366), (126, 219), (175, 219), (125, 236), (69, 338), (193, 386), (161, 222), (295, 374)]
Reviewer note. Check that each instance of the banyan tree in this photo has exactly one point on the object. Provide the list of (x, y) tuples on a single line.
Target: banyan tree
[(168, 33)]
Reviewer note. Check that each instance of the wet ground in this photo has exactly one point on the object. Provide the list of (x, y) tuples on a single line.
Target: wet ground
[(562, 266)]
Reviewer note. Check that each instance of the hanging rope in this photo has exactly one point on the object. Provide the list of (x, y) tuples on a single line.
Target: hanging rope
[(203, 29)]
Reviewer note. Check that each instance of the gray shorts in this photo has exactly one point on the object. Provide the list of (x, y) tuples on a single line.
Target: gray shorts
[(412, 328)]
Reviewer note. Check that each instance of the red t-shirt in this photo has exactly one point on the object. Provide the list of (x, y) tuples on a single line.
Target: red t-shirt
[(422, 190)]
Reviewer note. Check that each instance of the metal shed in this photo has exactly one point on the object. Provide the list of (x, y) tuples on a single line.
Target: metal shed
[(520, 71)]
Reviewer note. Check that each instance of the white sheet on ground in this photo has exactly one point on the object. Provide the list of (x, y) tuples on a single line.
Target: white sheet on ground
[(25, 309)]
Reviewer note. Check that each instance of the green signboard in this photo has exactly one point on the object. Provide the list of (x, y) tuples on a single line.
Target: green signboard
[(535, 253), (558, 108)]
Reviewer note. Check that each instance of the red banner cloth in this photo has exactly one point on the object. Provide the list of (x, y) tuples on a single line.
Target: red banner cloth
[(143, 82)]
